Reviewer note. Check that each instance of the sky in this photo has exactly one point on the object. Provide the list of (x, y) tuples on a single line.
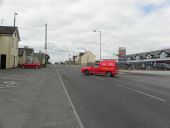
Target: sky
[(138, 25)]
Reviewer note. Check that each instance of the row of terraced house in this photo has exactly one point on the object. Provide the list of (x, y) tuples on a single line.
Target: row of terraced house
[(159, 59), (11, 56)]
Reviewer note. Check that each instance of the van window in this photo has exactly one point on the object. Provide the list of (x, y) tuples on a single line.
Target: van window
[(111, 64), (96, 66), (103, 64)]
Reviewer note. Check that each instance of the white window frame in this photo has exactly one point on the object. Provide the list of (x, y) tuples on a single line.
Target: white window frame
[(129, 58), (149, 57), (163, 55), (138, 58)]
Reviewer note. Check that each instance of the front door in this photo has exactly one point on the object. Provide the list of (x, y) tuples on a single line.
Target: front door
[(3, 61), (96, 69)]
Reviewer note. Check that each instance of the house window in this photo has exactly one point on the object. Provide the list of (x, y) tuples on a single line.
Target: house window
[(96, 66), (138, 57), (128, 58), (149, 57), (163, 55)]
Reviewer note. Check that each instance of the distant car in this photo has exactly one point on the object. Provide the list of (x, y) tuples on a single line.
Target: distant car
[(31, 65), (162, 66), (106, 67)]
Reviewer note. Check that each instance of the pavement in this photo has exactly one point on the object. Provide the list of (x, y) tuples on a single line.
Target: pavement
[(34, 98), (146, 72)]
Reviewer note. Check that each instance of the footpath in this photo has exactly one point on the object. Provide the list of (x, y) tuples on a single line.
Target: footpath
[(32, 98)]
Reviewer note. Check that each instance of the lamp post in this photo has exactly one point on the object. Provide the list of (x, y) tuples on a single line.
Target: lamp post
[(15, 18), (100, 41), (1, 21)]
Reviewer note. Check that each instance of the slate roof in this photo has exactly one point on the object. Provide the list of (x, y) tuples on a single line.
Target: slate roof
[(81, 54), (40, 56), (155, 54), (20, 51), (9, 30), (28, 51)]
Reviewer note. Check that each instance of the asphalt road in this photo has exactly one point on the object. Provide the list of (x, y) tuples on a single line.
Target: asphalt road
[(124, 101)]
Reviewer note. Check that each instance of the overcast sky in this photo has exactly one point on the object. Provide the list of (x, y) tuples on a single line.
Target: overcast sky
[(138, 25)]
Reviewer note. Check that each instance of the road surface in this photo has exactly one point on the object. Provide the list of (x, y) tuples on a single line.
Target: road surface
[(61, 97), (125, 101)]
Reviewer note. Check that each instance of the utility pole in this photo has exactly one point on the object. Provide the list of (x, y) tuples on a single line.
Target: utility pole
[(45, 47), (1, 20), (100, 42), (15, 18), (46, 38)]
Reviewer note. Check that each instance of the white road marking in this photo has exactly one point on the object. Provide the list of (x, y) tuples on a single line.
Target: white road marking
[(154, 97), (9, 84), (151, 96), (69, 98)]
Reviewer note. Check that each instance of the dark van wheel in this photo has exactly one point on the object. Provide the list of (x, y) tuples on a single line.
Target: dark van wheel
[(108, 74), (86, 72)]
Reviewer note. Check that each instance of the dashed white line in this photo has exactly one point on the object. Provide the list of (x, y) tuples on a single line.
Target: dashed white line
[(69, 98)]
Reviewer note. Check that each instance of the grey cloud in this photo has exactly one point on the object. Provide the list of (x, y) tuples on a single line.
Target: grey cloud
[(70, 25)]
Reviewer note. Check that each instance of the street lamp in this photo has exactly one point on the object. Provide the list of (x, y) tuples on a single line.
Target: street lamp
[(100, 40), (15, 18)]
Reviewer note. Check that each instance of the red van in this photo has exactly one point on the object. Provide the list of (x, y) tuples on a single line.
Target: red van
[(105, 67)]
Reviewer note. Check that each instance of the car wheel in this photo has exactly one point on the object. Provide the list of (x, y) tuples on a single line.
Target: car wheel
[(23, 66), (36, 67), (108, 74), (86, 72)]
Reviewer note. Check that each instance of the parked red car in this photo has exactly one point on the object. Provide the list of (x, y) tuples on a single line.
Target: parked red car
[(31, 65), (105, 67)]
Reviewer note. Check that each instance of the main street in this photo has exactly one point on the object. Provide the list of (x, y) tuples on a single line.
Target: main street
[(124, 101), (61, 97)]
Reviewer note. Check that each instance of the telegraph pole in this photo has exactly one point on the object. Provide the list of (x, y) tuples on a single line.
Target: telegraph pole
[(45, 47), (100, 42), (46, 38), (1, 20), (15, 18)]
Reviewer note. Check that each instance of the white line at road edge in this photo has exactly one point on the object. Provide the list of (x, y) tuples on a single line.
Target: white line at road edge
[(138, 91), (69, 98), (145, 94)]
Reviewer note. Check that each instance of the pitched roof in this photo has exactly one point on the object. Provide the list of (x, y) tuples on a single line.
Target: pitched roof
[(20, 51), (9, 30), (152, 53), (81, 54), (41, 55)]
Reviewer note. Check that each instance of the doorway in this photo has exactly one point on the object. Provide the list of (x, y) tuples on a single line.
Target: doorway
[(3, 61)]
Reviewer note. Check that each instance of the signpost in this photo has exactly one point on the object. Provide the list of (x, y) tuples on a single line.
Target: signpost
[(122, 56)]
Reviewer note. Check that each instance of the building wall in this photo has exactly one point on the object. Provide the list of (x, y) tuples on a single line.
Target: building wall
[(9, 46), (88, 57), (22, 59), (77, 60), (14, 51), (37, 60)]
